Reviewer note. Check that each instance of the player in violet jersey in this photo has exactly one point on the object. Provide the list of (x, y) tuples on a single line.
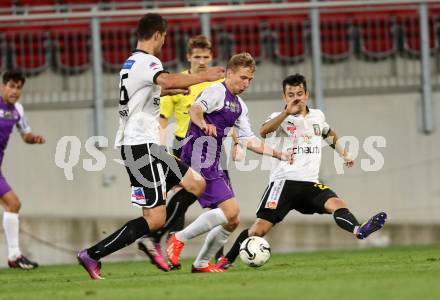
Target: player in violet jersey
[(12, 114), (217, 109)]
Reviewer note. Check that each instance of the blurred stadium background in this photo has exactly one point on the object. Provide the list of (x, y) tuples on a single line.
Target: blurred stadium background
[(373, 67)]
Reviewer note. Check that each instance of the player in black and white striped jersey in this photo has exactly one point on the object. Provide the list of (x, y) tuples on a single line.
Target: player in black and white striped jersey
[(151, 169)]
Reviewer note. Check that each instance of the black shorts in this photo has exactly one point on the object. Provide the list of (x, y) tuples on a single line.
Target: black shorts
[(177, 148), (281, 196), (152, 173)]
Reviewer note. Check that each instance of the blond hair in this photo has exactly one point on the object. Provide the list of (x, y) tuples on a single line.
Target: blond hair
[(244, 60)]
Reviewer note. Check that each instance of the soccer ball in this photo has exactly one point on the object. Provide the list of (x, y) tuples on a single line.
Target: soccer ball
[(255, 251)]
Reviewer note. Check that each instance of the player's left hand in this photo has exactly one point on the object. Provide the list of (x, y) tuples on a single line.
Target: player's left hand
[(348, 159), (237, 152)]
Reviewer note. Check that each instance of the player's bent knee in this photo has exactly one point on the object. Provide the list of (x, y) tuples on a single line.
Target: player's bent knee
[(233, 216), (193, 183), (155, 225), (257, 231), (14, 207), (233, 223), (155, 222), (260, 228), (338, 203)]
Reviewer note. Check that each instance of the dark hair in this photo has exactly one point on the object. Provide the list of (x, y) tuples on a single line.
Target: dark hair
[(198, 42), (14, 75), (244, 60), (149, 24), (294, 80)]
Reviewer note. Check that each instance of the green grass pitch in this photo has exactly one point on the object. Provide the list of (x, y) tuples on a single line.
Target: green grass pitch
[(401, 273)]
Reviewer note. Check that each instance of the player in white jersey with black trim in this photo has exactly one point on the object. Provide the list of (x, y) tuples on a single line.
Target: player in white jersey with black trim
[(296, 186), (151, 169)]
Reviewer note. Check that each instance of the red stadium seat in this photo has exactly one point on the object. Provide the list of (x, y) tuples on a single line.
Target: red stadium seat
[(37, 2), (118, 40), (169, 56), (336, 37), (71, 47), (3, 57), (377, 36), (289, 34), (410, 29), (236, 35), (29, 48), (29, 6), (178, 33), (81, 2)]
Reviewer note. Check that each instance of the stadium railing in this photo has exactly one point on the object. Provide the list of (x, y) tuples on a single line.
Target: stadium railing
[(363, 47)]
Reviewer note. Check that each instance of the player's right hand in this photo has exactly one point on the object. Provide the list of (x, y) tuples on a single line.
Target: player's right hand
[(214, 73), (293, 107), (209, 130)]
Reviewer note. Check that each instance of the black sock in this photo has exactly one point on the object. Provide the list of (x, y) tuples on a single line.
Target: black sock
[(235, 250), (122, 237), (344, 218), (178, 224), (219, 253), (176, 209)]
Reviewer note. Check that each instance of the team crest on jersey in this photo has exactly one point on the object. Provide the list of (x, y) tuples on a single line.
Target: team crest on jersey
[(307, 139), (7, 114), (232, 106), (154, 66), (291, 128), (317, 129)]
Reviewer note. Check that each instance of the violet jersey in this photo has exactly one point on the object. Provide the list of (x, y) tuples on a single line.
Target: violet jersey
[(10, 116), (139, 101), (224, 110), (304, 135)]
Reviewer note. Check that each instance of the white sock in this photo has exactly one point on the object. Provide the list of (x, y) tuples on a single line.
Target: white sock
[(204, 223), (10, 224), (215, 239)]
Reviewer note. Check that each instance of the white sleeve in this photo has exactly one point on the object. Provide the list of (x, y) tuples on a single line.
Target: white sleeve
[(243, 125), (272, 116), (211, 99), (22, 124), (325, 126), (153, 69)]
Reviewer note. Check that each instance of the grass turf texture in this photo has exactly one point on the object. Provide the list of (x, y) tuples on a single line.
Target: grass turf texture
[(391, 273)]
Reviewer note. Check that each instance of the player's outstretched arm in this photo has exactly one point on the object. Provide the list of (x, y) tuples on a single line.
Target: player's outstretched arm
[(256, 145), (196, 115), (273, 124), (172, 92), (332, 140), (236, 151), (181, 81), (31, 138)]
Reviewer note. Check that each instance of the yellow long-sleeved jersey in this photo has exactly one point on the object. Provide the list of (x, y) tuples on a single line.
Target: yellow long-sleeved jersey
[(180, 104)]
